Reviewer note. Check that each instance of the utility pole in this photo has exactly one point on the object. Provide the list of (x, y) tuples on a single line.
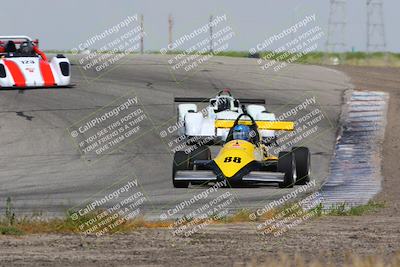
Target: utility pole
[(170, 25), (211, 35), (336, 40), (376, 38), (141, 35)]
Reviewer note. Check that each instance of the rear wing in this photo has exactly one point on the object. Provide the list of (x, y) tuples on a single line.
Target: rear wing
[(207, 99), (262, 125)]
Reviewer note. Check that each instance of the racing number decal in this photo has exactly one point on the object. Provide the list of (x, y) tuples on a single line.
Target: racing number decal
[(235, 159), (27, 62), (228, 159)]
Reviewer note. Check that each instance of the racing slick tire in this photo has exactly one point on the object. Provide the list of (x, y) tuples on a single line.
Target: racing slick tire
[(181, 163), (303, 164), (287, 165), (202, 153)]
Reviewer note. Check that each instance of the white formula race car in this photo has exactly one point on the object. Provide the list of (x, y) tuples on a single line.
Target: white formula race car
[(208, 123), (23, 65)]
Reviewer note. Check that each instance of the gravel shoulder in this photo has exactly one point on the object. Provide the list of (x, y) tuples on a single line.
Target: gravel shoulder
[(329, 239)]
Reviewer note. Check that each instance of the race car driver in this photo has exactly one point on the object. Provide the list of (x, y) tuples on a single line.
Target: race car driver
[(28, 48), (241, 132)]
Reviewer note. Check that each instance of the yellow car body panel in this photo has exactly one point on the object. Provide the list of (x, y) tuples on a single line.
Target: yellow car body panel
[(270, 158), (235, 155)]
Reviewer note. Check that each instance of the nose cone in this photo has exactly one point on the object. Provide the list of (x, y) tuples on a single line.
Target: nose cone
[(234, 156)]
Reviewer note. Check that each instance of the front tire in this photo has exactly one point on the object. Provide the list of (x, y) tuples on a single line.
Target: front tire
[(181, 163), (303, 164), (287, 165), (202, 153)]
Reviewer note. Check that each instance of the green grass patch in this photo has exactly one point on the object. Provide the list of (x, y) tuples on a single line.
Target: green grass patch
[(345, 210), (11, 225), (317, 57), (10, 230)]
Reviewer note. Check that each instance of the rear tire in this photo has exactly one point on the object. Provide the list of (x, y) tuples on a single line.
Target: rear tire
[(303, 164), (287, 165), (181, 163)]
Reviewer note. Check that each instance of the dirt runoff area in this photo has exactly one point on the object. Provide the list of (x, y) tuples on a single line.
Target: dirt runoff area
[(328, 239)]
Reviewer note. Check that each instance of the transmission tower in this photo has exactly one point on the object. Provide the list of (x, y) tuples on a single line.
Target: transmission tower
[(336, 40), (376, 39), (141, 35), (170, 25), (211, 35)]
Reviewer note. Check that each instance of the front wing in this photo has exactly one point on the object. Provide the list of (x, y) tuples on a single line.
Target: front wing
[(255, 172), (210, 176)]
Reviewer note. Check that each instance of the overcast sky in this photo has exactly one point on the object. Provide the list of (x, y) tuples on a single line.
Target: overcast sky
[(64, 24)]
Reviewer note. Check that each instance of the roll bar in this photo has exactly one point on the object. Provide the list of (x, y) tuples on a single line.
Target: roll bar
[(15, 38)]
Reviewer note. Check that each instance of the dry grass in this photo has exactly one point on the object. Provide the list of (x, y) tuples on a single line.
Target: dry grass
[(10, 225), (28, 225), (57, 225)]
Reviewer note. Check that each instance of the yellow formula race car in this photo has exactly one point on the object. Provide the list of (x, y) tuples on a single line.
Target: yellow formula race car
[(243, 159)]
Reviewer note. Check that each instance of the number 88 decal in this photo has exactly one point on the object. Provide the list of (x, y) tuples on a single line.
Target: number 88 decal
[(233, 159)]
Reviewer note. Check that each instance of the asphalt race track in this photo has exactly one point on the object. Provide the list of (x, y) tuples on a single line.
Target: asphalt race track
[(42, 170)]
